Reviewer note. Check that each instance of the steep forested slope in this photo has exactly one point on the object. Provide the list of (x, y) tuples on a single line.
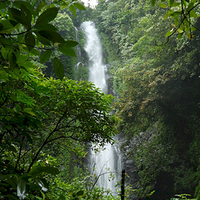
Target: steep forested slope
[(157, 81)]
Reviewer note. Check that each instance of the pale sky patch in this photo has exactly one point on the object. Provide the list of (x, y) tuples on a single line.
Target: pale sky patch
[(91, 3)]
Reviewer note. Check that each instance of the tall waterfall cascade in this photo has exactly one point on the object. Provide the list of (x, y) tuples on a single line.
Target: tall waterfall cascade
[(107, 161)]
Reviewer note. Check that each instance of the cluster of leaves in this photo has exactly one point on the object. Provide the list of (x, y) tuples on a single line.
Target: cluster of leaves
[(25, 27), (66, 29), (184, 13), (80, 188)]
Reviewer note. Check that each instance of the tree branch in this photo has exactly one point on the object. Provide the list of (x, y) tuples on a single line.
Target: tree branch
[(46, 141)]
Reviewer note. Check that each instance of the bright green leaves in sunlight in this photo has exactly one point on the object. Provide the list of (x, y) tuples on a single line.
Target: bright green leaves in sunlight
[(184, 13)]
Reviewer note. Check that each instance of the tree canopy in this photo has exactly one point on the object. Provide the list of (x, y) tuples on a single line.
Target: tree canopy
[(36, 111)]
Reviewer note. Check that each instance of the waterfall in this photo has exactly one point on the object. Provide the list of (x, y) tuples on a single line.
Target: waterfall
[(108, 159)]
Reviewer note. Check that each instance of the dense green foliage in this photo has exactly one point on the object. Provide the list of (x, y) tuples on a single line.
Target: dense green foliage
[(157, 81), (45, 121), (184, 14)]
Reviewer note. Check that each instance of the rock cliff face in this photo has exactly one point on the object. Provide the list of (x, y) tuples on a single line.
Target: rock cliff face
[(129, 148)]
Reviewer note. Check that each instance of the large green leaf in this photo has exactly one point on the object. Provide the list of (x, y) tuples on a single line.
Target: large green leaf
[(52, 36), (79, 6), (8, 24), (26, 4), (66, 50), (18, 15), (26, 15), (14, 14), (71, 43), (41, 6), (42, 39), (162, 5), (73, 9), (48, 27), (47, 16), (58, 68), (29, 40), (45, 56), (6, 41)]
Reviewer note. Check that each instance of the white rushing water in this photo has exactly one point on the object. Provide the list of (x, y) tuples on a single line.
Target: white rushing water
[(107, 160)]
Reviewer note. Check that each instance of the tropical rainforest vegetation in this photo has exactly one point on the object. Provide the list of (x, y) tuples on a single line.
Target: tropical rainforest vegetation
[(153, 52), (48, 118)]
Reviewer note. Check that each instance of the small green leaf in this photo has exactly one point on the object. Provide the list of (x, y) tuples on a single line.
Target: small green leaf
[(29, 40), (176, 13), (29, 111), (166, 15), (175, 4), (45, 56), (79, 6), (47, 16), (162, 5), (190, 6), (190, 36), (58, 68), (64, 5), (169, 33), (180, 30), (193, 14)]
